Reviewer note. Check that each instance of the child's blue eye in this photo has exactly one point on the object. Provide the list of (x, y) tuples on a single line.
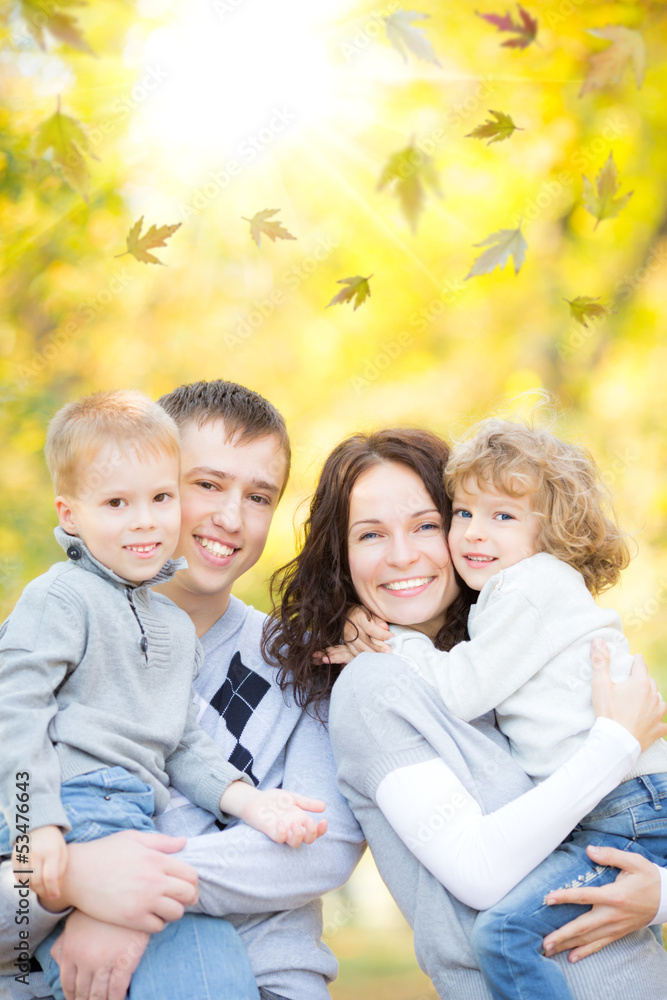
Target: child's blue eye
[(462, 513), (505, 517)]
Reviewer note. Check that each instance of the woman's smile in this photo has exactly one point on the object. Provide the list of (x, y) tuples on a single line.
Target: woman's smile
[(397, 551)]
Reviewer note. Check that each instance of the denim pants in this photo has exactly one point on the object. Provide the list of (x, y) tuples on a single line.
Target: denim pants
[(198, 957), (507, 938)]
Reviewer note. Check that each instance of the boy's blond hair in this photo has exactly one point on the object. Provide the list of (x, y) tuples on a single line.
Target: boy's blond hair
[(577, 524), (76, 433)]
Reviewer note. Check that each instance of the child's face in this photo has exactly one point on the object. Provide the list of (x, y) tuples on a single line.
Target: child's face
[(128, 512), (490, 531)]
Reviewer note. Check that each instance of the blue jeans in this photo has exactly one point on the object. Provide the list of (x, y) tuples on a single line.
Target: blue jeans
[(197, 957), (100, 803), (507, 938)]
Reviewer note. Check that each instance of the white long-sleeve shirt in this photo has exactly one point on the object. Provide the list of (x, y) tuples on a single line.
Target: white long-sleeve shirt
[(529, 659)]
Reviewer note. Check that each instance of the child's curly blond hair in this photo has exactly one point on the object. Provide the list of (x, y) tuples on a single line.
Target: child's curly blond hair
[(577, 524)]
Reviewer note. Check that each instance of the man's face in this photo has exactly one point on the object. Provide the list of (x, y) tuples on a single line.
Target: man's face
[(229, 492)]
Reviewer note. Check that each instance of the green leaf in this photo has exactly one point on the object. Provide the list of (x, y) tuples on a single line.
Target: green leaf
[(584, 307), (68, 142), (357, 289), (410, 170), (262, 224), (501, 245), (494, 131), (602, 204)]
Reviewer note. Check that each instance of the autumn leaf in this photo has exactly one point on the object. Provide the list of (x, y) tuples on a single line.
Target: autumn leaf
[(139, 245), (584, 308), (262, 224), (501, 245), (603, 204), (410, 170), (68, 143), (405, 38), (525, 29), (494, 131), (357, 289), (607, 67), (39, 16)]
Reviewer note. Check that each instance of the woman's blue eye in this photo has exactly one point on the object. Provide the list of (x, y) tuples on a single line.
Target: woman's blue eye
[(368, 534)]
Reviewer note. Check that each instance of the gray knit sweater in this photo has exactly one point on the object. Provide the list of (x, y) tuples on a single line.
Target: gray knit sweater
[(384, 717), (95, 672)]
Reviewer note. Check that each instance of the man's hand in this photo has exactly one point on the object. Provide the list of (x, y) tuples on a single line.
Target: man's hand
[(96, 959), (625, 905), (130, 879)]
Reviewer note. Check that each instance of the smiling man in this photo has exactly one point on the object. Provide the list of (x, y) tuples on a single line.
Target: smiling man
[(234, 466)]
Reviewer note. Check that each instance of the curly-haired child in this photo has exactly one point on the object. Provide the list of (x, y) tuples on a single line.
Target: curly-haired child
[(530, 532)]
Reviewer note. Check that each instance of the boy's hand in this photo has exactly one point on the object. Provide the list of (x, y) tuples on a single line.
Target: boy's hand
[(636, 703), (276, 812), (48, 859), (364, 632)]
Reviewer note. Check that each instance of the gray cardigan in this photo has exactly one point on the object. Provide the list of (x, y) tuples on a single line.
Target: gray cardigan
[(96, 672)]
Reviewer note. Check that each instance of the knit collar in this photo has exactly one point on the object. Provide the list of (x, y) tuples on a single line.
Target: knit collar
[(79, 554)]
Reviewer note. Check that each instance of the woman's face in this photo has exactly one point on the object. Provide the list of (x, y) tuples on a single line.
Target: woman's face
[(397, 551)]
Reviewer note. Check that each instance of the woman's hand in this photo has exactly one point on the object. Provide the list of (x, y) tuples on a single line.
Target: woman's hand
[(96, 959), (625, 905), (364, 632), (636, 703), (130, 879)]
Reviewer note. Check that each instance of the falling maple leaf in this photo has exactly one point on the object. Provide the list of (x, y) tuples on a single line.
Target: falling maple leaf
[(39, 16), (357, 289), (409, 170), (603, 204), (607, 67), (68, 142), (501, 245), (262, 224), (405, 38), (494, 131), (584, 308), (139, 245), (525, 30)]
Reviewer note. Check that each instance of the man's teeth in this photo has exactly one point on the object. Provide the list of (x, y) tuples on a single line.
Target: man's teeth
[(408, 584), (215, 547)]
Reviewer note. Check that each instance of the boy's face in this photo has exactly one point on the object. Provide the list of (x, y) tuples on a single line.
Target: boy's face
[(128, 515), (490, 531), (229, 493)]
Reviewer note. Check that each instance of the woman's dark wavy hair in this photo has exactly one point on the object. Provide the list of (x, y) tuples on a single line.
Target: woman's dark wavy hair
[(315, 589)]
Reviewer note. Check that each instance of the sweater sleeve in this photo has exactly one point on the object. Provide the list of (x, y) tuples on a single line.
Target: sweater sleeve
[(242, 871), (41, 642), (199, 769), (478, 857), (510, 646)]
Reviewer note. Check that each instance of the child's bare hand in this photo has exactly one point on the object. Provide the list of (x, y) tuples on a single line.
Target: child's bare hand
[(48, 859), (364, 632), (280, 815), (276, 812)]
